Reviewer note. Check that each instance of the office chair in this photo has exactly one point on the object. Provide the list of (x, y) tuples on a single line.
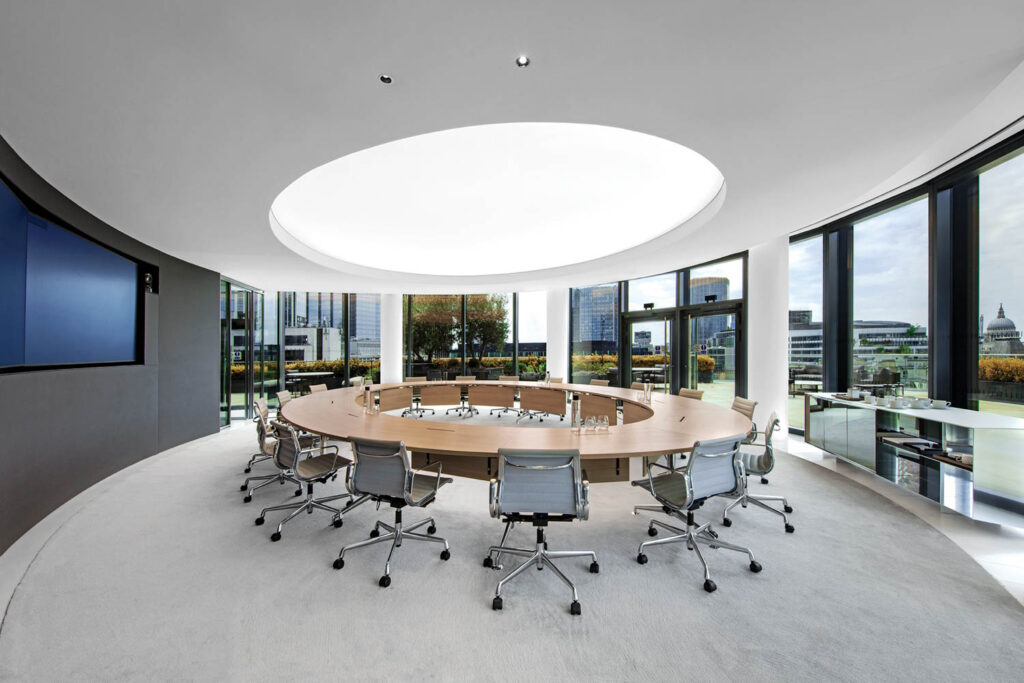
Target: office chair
[(269, 444), (745, 407), (357, 382), (538, 487), (282, 398), (316, 388), (692, 393), (309, 466), (636, 386), (599, 382), (261, 416), (760, 464), (508, 378), (383, 472), (414, 408), (711, 470), (557, 380), (464, 409)]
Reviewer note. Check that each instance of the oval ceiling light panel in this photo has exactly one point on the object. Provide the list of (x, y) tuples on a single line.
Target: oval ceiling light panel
[(494, 199)]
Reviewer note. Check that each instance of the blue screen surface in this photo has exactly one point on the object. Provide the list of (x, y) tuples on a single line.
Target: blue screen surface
[(80, 299), (13, 217)]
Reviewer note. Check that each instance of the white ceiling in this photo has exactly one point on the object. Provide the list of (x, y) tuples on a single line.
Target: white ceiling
[(179, 123)]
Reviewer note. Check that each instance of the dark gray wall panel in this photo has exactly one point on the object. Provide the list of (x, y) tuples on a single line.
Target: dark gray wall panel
[(67, 429)]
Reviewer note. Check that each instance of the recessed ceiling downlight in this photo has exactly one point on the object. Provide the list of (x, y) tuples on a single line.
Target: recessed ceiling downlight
[(522, 60), (494, 199)]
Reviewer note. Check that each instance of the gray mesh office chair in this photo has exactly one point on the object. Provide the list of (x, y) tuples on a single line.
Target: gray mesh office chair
[(745, 407), (309, 466), (261, 416), (538, 487), (383, 472), (464, 409), (760, 464), (268, 444), (711, 470), (414, 408)]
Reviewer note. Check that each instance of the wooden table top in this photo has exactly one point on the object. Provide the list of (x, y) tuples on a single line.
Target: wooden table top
[(673, 424)]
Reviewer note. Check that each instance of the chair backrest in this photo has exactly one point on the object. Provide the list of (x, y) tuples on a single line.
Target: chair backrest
[(356, 381), (744, 407), (538, 481), (557, 380), (465, 378), (692, 393), (415, 379), (314, 388), (711, 468), (381, 468), (769, 449), (262, 432), (600, 382), (286, 455), (260, 411), (283, 397), (508, 378), (636, 385)]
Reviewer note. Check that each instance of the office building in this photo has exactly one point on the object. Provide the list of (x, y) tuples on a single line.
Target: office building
[(326, 325)]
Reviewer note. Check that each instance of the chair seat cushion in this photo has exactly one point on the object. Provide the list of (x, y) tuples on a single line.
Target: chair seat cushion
[(319, 465), (422, 484), (669, 488), (756, 462)]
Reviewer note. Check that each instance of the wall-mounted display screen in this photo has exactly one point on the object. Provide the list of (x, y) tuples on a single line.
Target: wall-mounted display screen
[(66, 299)]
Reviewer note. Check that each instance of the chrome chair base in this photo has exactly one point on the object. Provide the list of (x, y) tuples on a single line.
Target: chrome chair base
[(256, 458), (308, 505), (279, 477), (540, 557), (761, 502), (396, 534), (463, 411), (537, 413), (417, 412), (692, 535), (504, 411)]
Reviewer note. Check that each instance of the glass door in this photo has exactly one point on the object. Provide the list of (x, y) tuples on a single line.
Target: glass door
[(225, 355), (242, 367), (711, 356), (650, 356)]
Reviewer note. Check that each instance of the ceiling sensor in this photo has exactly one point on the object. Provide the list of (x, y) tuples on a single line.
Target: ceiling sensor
[(385, 79), (522, 60)]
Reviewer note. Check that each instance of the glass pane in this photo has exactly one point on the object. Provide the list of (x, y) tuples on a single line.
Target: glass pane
[(805, 332), (533, 335), (271, 349), (658, 291), (722, 280), (650, 359), (489, 335), (890, 301), (594, 333), (225, 355), (314, 341), (364, 336), (1001, 305), (712, 350), (436, 345), (240, 360)]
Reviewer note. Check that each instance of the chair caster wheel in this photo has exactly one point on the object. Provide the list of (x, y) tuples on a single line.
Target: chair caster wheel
[(755, 566), (710, 586), (242, 487), (247, 470), (247, 499), (276, 536), (651, 531), (496, 604), (339, 563), (259, 521), (385, 581), (787, 508), (338, 523), (298, 492), (574, 608), (789, 528), (445, 554), (374, 534), (641, 559), (431, 529), (489, 562), (726, 521), (764, 480), (712, 533), (595, 568)]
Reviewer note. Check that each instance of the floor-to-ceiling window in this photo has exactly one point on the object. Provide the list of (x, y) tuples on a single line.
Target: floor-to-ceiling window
[(594, 333), (489, 345), (364, 336), (434, 335), (890, 299), (532, 310), (314, 339), (714, 295), (805, 324)]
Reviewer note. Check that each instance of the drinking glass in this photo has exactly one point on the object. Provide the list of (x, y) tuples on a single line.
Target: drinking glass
[(602, 423), (591, 423)]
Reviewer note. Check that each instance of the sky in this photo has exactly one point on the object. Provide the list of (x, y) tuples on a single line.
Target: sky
[(1001, 248)]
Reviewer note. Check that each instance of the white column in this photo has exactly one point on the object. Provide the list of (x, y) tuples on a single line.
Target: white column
[(391, 338), (558, 333), (768, 330)]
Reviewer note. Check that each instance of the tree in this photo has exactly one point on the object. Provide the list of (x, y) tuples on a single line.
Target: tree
[(486, 324), (435, 325)]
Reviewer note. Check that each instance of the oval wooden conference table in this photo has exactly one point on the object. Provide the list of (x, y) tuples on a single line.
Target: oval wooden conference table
[(670, 424)]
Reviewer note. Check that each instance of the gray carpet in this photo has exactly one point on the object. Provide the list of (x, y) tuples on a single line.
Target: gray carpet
[(165, 577)]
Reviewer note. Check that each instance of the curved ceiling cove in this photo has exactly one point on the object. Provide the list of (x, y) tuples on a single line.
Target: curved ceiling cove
[(494, 200)]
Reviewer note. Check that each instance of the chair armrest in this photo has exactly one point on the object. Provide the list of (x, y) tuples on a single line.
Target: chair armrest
[(437, 480), (493, 499), (585, 500)]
